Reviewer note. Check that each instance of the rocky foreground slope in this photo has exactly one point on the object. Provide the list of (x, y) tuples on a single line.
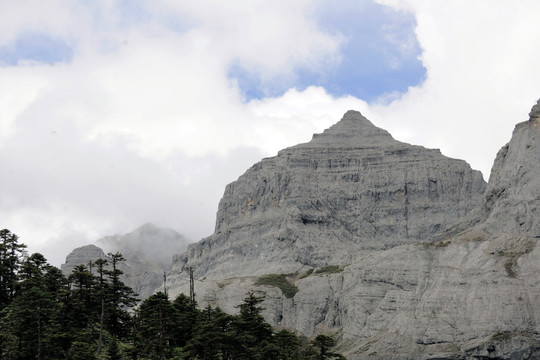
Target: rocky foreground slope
[(400, 252)]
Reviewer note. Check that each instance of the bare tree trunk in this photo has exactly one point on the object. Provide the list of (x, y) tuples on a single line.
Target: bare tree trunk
[(39, 334), (191, 284), (101, 319), (160, 333)]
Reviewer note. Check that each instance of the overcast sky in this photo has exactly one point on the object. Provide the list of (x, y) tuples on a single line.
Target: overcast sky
[(114, 113)]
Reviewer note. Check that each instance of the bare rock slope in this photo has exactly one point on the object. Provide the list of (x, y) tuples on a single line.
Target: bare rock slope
[(351, 189), (400, 252)]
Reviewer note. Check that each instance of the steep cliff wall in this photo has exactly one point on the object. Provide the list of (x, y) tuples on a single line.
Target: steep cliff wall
[(352, 188), (410, 287)]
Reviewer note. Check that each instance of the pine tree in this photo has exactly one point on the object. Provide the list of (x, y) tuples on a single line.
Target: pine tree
[(84, 302), (157, 324), (118, 299), (187, 314), (113, 351), (100, 294), (11, 255), (288, 344), (30, 319), (253, 332), (324, 344), (214, 337)]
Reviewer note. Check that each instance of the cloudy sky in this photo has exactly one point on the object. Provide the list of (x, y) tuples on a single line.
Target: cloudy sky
[(114, 113)]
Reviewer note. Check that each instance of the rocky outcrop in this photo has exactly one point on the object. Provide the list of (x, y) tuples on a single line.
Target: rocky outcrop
[(535, 111), (512, 202), (351, 188), (82, 256), (426, 266), (148, 252)]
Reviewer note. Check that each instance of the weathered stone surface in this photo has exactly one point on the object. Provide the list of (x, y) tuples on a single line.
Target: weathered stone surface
[(148, 252), (81, 255), (535, 111), (352, 188), (513, 196), (430, 267)]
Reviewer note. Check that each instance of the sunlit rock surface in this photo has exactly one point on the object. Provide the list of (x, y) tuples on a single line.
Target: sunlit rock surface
[(351, 189), (431, 263)]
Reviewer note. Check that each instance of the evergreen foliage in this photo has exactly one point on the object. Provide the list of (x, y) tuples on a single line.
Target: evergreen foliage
[(278, 280), (11, 254), (157, 324), (118, 299), (330, 269), (91, 315)]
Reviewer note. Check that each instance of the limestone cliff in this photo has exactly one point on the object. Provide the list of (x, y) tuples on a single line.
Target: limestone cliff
[(352, 188), (81, 256), (397, 250), (428, 265)]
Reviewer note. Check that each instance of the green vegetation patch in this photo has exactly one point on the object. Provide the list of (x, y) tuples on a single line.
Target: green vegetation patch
[(510, 265), (437, 244), (330, 269), (280, 281), (502, 336), (511, 262), (306, 274)]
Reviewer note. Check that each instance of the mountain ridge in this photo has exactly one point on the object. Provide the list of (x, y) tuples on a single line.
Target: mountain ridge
[(466, 288), (365, 191)]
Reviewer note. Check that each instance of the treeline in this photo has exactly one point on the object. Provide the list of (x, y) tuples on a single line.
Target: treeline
[(92, 315)]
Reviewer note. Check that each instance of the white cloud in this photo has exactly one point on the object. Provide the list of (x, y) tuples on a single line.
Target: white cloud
[(18, 90), (55, 17), (144, 124), (267, 37), (482, 77), (295, 116)]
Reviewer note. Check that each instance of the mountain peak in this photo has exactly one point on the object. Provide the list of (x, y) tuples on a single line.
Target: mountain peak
[(511, 199), (351, 187), (353, 130), (535, 111), (147, 229)]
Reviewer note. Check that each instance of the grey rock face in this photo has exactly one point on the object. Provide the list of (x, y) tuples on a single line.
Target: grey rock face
[(535, 111), (512, 202), (81, 256), (351, 188), (148, 252), (407, 289)]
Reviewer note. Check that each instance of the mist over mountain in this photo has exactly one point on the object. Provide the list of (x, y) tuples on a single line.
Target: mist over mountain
[(148, 252)]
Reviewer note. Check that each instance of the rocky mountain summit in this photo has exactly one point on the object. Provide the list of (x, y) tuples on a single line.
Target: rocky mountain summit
[(351, 188), (147, 251), (399, 251)]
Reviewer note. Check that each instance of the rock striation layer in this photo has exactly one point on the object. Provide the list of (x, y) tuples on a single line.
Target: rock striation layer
[(349, 189), (81, 256), (428, 265)]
